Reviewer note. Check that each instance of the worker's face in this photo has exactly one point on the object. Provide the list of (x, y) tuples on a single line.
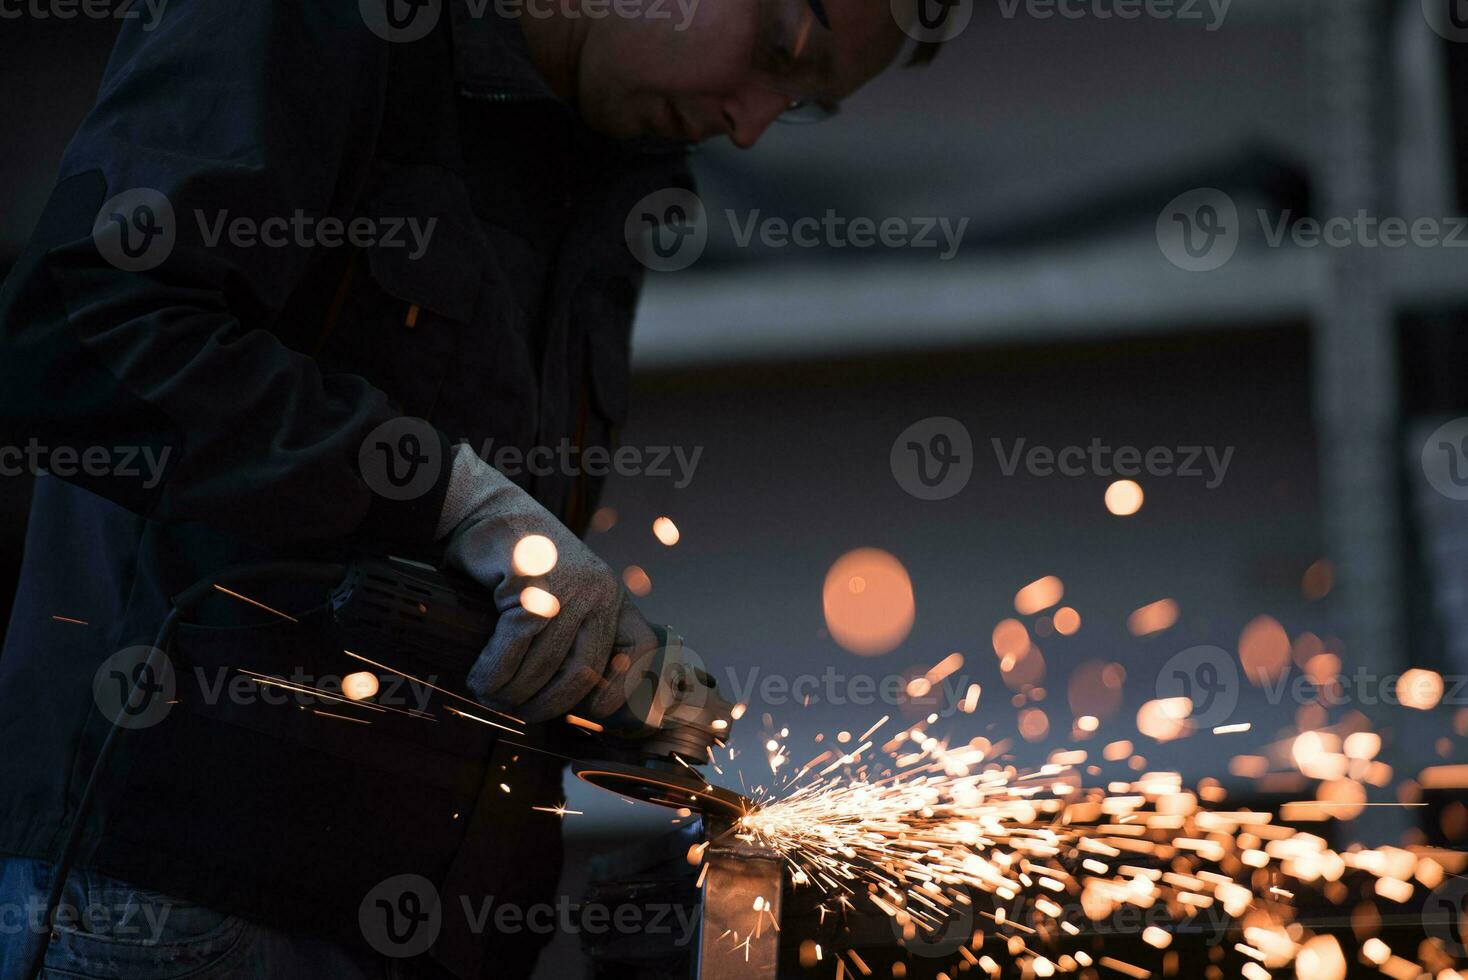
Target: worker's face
[(706, 68)]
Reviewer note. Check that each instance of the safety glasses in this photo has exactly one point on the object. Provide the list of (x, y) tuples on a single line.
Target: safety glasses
[(795, 54)]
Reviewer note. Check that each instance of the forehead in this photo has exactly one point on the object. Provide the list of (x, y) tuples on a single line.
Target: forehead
[(865, 37)]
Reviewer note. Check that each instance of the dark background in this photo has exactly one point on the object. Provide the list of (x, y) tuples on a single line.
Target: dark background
[(1059, 321)]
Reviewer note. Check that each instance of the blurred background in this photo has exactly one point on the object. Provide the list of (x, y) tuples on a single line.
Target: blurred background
[(1064, 317)]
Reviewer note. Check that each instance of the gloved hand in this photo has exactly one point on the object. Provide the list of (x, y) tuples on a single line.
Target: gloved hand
[(570, 654)]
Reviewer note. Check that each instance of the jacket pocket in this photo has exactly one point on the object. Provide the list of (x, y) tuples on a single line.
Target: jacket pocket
[(413, 289), (491, 395), (108, 928)]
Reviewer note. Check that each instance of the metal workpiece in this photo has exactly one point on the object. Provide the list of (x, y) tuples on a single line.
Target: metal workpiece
[(740, 934)]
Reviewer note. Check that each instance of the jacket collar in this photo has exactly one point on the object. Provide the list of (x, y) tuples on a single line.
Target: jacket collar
[(492, 63)]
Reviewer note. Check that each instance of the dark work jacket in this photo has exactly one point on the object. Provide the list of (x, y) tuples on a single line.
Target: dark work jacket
[(262, 371)]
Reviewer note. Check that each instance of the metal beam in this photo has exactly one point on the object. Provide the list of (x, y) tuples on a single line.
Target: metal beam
[(740, 935)]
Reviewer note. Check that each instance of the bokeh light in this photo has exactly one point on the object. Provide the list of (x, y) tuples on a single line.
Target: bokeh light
[(1153, 618), (1038, 595), (535, 554), (868, 602), (539, 602), (360, 686), (1124, 498), (1264, 650), (636, 580), (666, 531)]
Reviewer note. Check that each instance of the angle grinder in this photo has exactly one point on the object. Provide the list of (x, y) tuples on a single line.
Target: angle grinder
[(396, 610)]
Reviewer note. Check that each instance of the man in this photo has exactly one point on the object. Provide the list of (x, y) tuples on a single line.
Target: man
[(221, 285)]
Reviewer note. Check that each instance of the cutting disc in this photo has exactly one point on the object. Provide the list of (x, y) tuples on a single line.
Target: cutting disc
[(676, 790)]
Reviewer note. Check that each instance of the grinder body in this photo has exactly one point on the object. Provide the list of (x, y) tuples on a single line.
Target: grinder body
[(392, 608)]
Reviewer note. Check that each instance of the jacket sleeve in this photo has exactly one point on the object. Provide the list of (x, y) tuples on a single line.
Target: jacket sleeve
[(131, 324)]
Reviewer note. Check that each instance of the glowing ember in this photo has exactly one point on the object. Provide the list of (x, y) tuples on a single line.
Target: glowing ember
[(929, 833)]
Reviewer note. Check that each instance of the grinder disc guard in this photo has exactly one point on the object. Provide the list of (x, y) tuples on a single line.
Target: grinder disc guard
[(675, 790)]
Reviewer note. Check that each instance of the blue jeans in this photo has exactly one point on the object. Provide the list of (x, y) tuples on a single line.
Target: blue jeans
[(110, 930)]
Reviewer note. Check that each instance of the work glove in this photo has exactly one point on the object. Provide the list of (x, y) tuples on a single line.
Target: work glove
[(568, 631)]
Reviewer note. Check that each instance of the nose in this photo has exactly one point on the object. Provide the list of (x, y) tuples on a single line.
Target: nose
[(750, 112)]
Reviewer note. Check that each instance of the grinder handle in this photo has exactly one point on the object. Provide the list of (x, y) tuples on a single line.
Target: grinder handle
[(391, 608)]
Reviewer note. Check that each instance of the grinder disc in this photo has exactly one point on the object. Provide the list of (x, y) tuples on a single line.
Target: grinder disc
[(670, 789)]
